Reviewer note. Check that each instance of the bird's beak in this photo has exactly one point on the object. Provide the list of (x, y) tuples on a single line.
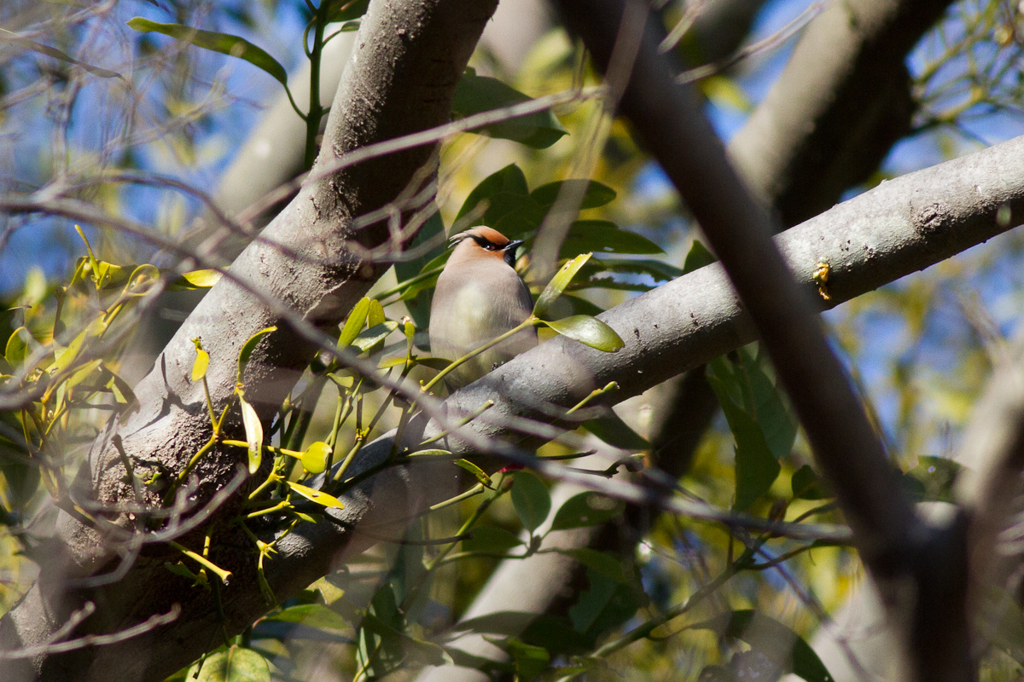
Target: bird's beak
[(510, 252)]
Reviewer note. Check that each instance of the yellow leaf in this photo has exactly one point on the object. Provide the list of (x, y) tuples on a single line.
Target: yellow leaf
[(253, 434), (200, 365), (316, 496), (314, 459), (202, 279)]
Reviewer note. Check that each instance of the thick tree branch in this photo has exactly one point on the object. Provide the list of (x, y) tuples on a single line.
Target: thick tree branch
[(739, 230), (991, 487), (798, 153), (870, 240), (805, 143), (840, 104), (409, 59), (890, 537)]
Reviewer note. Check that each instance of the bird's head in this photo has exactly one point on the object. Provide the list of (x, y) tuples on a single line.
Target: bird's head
[(484, 242)]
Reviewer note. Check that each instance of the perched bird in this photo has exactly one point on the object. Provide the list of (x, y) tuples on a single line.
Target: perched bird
[(478, 297)]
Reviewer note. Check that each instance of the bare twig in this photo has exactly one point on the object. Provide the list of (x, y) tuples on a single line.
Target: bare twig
[(147, 625)]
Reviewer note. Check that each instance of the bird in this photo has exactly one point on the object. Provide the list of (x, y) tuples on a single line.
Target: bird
[(478, 297)]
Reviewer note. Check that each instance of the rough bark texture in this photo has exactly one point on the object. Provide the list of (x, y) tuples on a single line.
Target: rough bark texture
[(684, 323), (409, 58), (943, 221), (925, 603), (801, 167), (841, 103), (871, 240), (805, 143)]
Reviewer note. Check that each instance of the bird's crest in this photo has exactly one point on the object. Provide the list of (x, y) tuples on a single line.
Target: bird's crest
[(482, 235)]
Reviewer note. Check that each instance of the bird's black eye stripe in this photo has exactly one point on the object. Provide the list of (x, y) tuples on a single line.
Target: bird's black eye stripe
[(485, 243)]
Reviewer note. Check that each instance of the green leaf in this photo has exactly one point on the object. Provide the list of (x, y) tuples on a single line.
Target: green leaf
[(369, 339), (82, 373), (807, 485), (223, 43), (531, 499), (197, 279), (388, 363), (182, 570), (612, 430), (759, 419), (375, 315), (314, 459), (18, 347), (354, 323), (477, 472), (422, 290), (253, 434), (122, 392), (697, 257), (346, 10), (557, 635), (594, 195), (604, 606), (476, 94), (434, 363), (510, 180), (558, 284), (107, 275), (756, 468), (6, 324), (602, 563), (118, 387), (234, 665), (316, 496), (142, 280), (248, 347), (576, 305), (771, 637), (529, 660), (492, 540), (766, 402), (19, 478), (517, 216), (311, 615), (936, 476), (586, 509), (589, 331), (603, 236), (639, 274), (381, 645), (65, 358)]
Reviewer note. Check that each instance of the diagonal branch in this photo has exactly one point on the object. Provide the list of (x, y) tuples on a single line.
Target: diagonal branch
[(892, 540), (838, 107), (402, 78), (870, 240), (673, 126)]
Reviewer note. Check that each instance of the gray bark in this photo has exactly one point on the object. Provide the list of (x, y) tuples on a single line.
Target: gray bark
[(833, 62), (841, 103), (871, 240), (308, 268), (919, 570), (898, 228), (929, 231)]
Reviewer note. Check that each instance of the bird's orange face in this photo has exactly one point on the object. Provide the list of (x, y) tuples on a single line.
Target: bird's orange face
[(484, 242)]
